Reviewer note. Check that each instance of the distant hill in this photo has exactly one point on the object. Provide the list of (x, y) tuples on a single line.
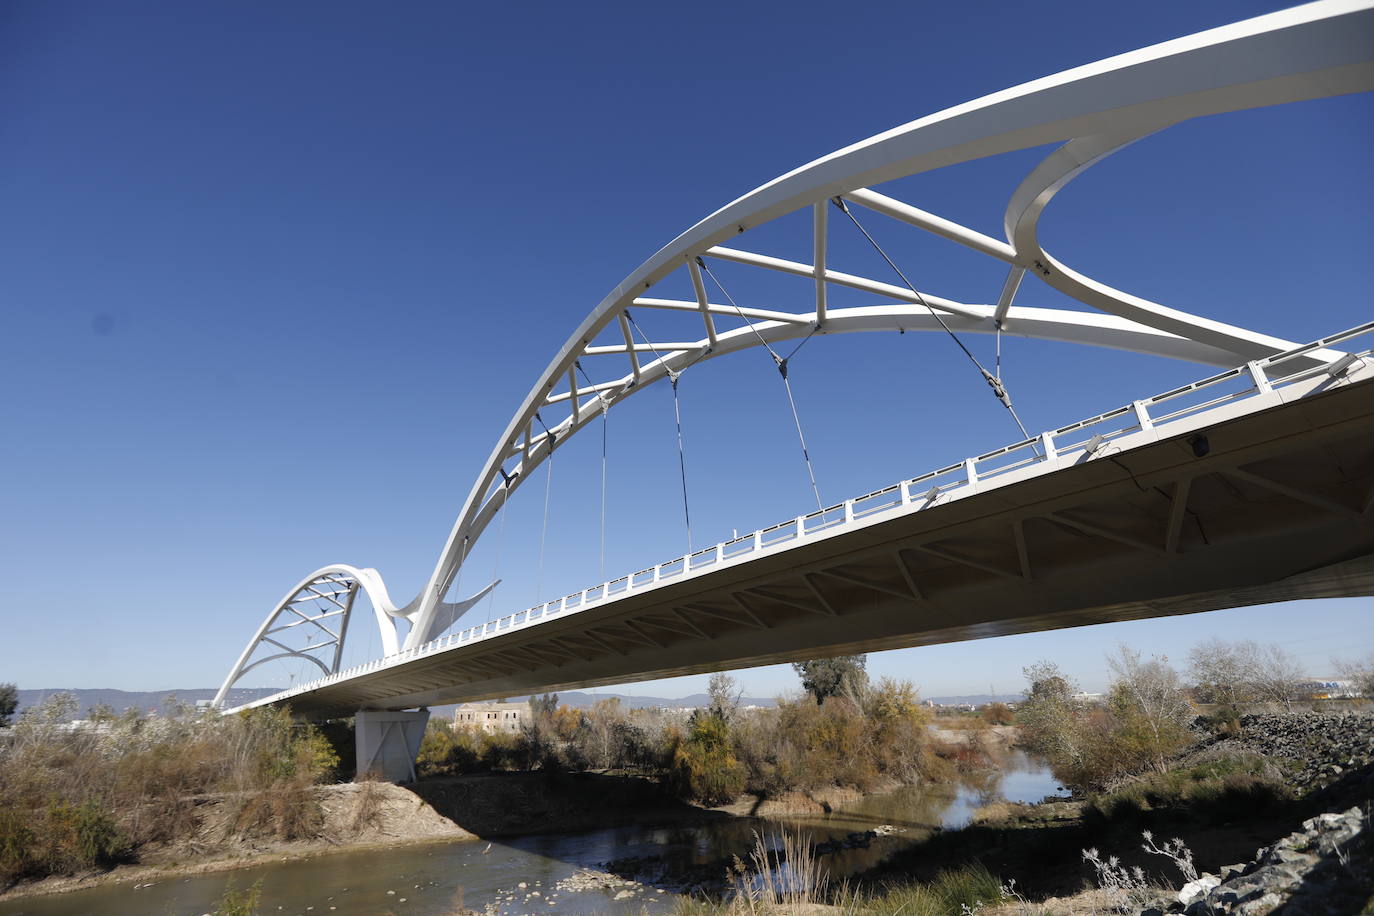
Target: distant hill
[(977, 699), (147, 700), (142, 700)]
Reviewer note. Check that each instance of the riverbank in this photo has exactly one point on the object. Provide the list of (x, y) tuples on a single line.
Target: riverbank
[(513, 809), (1229, 800), (1273, 819), (352, 816)]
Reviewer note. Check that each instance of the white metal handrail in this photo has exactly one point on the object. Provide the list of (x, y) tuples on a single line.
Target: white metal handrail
[(920, 491)]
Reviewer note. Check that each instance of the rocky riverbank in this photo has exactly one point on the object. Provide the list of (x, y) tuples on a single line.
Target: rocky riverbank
[(1321, 748), (1321, 766), (1322, 868)]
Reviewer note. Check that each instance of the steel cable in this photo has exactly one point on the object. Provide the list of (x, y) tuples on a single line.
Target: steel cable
[(781, 363), (994, 381)]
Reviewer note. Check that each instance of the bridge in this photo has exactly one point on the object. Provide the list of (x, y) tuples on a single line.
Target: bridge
[(1252, 485)]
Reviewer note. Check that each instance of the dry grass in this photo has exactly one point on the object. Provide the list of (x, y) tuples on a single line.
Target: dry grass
[(367, 809), (73, 799), (998, 813)]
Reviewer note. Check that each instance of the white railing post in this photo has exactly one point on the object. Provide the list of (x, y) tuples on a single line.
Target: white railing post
[(1047, 443), (758, 540), (971, 472), (1258, 376), (848, 510), (1142, 415), (905, 492)]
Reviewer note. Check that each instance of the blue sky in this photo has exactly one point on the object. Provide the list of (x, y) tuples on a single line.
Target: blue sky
[(273, 278)]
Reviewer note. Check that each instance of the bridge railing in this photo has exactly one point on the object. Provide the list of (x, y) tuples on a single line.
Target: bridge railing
[(1075, 442)]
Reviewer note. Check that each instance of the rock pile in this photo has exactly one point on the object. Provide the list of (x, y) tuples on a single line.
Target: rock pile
[(1318, 870), (1325, 746)]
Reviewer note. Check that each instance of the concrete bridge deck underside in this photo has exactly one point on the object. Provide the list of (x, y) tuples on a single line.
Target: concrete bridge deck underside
[(1278, 508)]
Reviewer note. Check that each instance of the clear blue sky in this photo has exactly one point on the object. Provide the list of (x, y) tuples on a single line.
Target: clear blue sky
[(274, 276)]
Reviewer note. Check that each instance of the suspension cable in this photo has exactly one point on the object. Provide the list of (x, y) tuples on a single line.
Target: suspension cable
[(673, 376), (781, 363), (994, 381), (543, 532), (682, 463), (605, 410), (500, 538)]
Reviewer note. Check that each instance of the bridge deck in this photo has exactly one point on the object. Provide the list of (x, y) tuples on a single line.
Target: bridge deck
[(1114, 518)]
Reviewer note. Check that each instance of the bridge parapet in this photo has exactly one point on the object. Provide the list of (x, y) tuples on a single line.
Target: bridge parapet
[(1256, 386)]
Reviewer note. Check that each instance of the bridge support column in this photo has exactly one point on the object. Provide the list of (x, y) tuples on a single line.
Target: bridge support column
[(389, 742)]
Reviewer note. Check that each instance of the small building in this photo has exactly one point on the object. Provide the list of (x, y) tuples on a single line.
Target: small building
[(491, 717), (1332, 689)]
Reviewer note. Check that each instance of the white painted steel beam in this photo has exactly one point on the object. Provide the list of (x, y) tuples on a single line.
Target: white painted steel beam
[(1312, 51)]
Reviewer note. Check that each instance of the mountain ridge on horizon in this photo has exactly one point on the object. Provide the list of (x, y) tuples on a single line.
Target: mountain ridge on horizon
[(150, 700)]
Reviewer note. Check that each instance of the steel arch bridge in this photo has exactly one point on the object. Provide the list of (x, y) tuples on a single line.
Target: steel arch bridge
[(1313, 51)]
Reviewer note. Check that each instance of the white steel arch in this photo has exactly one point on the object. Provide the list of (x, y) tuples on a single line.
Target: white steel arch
[(1312, 51), (322, 602)]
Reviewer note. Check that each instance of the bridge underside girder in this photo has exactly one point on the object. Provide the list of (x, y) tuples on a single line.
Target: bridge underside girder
[(1278, 508)]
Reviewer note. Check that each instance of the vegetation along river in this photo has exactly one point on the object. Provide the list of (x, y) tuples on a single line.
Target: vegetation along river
[(646, 866)]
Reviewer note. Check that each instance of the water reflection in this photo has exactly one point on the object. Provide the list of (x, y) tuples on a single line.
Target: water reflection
[(442, 878)]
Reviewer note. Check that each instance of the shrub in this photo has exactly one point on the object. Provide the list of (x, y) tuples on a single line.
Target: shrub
[(18, 844), (80, 836), (1224, 723), (1217, 790), (704, 766), (78, 798), (239, 903), (1144, 722)]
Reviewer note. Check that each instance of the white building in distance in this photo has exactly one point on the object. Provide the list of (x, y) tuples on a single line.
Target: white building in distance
[(491, 717)]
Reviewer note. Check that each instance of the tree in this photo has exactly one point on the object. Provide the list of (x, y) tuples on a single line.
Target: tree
[(9, 702), (602, 735), (1050, 719), (1279, 678), (704, 765), (1152, 715), (1219, 673), (1232, 674), (539, 732), (543, 706), (1360, 674), (828, 677), (725, 695)]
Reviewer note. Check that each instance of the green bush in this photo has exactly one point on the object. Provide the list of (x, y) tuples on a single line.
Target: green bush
[(968, 889), (1224, 723), (81, 836), (1217, 790), (239, 902), (705, 768), (18, 844)]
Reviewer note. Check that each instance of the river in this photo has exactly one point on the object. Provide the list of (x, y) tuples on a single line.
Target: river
[(540, 873)]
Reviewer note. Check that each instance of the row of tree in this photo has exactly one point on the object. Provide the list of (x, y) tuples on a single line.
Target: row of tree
[(1150, 710), (842, 730)]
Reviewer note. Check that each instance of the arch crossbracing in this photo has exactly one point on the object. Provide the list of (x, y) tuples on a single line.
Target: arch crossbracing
[(1313, 51), (1318, 50), (319, 607)]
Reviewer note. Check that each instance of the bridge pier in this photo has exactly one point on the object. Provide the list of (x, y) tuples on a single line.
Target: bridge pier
[(388, 743)]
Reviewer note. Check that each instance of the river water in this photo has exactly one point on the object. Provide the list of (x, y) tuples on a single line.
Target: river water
[(540, 873)]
